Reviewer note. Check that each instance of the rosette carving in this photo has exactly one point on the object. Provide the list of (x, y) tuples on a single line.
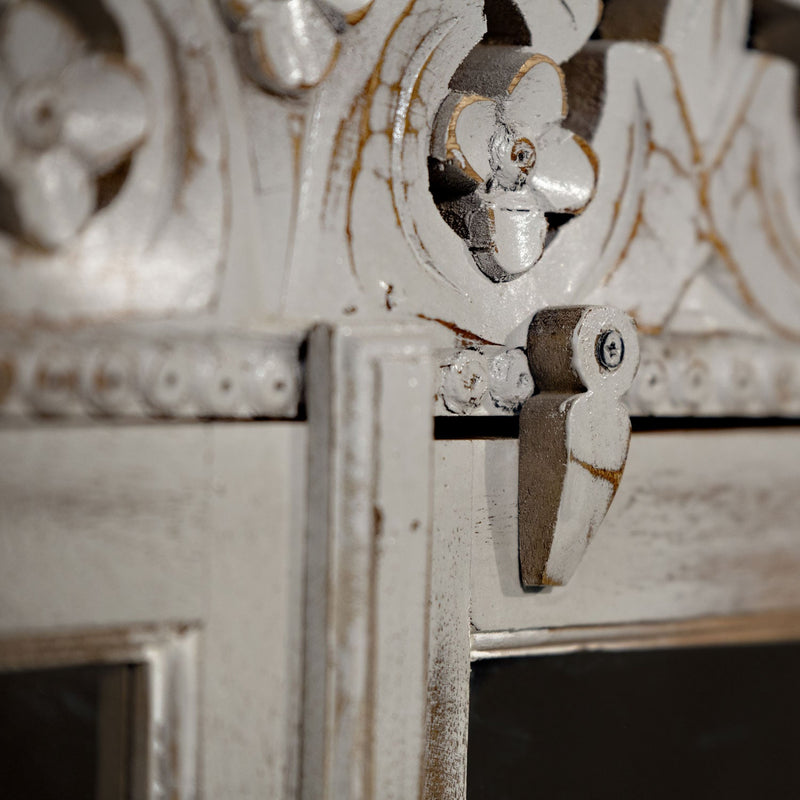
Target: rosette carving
[(504, 161)]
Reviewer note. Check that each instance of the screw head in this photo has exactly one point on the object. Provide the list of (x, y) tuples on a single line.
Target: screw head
[(610, 349)]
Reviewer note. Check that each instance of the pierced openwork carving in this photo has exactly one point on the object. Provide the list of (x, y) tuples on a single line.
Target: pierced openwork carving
[(289, 46), (70, 115), (502, 162), (692, 214)]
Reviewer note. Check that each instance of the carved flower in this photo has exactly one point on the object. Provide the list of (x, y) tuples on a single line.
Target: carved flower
[(525, 164), (291, 44), (67, 117)]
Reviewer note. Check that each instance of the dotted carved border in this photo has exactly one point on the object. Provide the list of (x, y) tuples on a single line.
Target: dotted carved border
[(678, 376), (237, 375), (161, 375)]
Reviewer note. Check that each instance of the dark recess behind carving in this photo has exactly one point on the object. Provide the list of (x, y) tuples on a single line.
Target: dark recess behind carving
[(677, 723)]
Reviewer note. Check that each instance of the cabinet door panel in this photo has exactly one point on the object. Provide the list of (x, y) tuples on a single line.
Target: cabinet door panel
[(172, 547), (705, 523)]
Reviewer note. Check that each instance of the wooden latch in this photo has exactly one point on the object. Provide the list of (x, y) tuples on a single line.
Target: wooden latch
[(573, 434)]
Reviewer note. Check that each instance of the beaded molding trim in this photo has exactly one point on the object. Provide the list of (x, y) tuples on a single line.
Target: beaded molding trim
[(180, 374), (678, 376), (235, 375)]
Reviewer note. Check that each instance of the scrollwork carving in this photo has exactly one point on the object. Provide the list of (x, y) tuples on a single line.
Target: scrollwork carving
[(699, 207), (691, 224)]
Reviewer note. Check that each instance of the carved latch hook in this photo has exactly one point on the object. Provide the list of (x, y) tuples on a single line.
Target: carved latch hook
[(573, 434)]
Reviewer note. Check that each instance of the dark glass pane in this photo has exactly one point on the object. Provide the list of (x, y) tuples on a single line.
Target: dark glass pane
[(678, 723), (65, 733)]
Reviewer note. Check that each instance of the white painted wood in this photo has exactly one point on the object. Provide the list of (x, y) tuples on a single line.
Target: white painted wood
[(573, 435), (263, 165), (102, 526), (678, 376), (252, 677), (150, 371), (704, 523), (504, 138), (161, 758), (448, 682), (646, 242), (192, 525), (368, 579), (115, 161), (289, 46), (766, 627), (320, 205)]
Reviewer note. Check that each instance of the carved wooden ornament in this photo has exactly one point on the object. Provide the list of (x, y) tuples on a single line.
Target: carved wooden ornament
[(503, 160), (573, 436), (289, 46), (114, 160)]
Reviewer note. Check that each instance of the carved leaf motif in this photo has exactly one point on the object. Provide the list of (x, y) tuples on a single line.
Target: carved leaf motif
[(54, 195), (711, 244), (559, 27)]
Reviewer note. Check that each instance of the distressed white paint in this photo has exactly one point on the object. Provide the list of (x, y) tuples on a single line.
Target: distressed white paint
[(704, 524), (712, 163), (289, 46), (248, 210), (150, 371), (446, 731), (368, 581), (165, 764), (71, 117), (512, 148), (195, 525), (384, 247), (678, 376), (573, 435), (68, 116)]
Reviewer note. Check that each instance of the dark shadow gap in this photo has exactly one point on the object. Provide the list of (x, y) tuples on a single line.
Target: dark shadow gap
[(508, 427)]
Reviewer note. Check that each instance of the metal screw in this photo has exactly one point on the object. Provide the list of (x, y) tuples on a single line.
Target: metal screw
[(610, 349)]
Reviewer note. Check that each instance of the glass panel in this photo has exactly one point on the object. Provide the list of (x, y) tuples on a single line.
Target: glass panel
[(67, 733), (688, 723)]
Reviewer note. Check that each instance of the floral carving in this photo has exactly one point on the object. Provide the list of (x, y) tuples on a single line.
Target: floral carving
[(68, 116), (520, 164), (290, 45)]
